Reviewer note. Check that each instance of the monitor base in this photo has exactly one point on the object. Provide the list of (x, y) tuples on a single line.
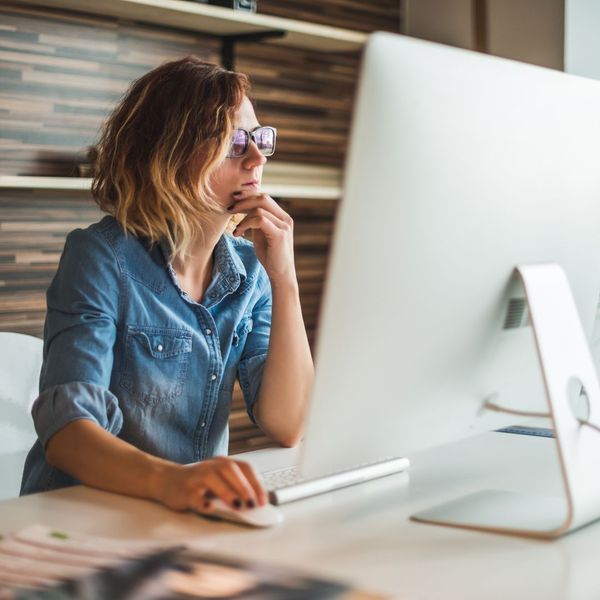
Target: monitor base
[(512, 513), (569, 374)]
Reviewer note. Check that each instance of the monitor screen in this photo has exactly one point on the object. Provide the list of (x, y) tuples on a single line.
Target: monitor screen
[(461, 166)]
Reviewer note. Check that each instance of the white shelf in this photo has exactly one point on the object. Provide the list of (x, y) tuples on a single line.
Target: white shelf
[(44, 183), (216, 20), (295, 180), (281, 180)]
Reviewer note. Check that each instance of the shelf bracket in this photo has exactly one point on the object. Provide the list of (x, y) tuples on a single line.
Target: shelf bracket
[(228, 43)]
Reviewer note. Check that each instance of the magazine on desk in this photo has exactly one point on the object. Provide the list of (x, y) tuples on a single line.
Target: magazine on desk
[(42, 563)]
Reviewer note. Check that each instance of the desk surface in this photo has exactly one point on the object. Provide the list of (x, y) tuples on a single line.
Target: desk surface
[(362, 535)]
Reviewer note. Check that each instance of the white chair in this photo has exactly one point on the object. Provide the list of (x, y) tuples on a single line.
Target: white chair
[(20, 364)]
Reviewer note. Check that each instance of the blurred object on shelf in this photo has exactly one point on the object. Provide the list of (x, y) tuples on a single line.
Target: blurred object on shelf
[(249, 5)]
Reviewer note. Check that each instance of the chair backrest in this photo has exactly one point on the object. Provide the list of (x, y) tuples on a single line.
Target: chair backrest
[(20, 364)]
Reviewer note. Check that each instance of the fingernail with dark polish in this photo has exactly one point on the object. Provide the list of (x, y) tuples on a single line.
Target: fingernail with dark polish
[(207, 504), (237, 503), (250, 503)]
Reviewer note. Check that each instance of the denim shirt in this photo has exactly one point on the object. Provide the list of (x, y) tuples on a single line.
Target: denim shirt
[(126, 348)]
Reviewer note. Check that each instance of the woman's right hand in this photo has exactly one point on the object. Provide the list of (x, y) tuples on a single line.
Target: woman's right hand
[(193, 486)]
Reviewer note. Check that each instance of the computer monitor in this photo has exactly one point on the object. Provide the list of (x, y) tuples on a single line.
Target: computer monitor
[(461, 166)]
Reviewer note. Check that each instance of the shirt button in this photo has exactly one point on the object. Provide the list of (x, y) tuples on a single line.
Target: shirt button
[(213, 377), (232, 278), (203, 424), (159, 347), (208, 331)]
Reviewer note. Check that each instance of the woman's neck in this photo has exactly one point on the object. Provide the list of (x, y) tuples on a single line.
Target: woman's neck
[(194, 270)]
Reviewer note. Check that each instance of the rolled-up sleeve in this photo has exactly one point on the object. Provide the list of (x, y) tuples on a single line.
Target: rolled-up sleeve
[(254, 354), (61, 404), (79, 337)]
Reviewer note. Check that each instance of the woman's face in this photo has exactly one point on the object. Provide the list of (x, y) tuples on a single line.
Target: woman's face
[(244, 173)]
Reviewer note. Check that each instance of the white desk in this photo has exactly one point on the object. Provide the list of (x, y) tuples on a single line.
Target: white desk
[(362, 535)]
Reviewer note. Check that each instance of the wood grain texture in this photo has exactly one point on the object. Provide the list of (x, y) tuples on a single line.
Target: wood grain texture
[(33, 227), (60, 75), (359, 15)]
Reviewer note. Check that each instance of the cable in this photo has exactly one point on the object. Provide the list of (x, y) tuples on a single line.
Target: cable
[(522, 413), (488, 405)]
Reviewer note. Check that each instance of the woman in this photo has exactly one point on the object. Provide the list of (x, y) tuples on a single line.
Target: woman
[(156, 310)]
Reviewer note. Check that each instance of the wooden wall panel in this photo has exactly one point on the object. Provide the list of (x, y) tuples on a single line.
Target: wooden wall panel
[(33, 227), (360, 15), (307, 95), (60, 75)]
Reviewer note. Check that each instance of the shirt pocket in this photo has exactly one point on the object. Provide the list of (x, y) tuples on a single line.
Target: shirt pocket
[(242, 331), (156, 363)]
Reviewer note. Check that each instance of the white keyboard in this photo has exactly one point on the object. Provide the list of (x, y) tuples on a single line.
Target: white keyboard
[(287, 485)]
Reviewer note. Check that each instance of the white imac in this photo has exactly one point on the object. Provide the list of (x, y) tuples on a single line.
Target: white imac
[(461, 167)]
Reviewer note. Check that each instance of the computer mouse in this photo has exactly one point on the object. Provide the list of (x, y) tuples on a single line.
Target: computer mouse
[(261, 516)]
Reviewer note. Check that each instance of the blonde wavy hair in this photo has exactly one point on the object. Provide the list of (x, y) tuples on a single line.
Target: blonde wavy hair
[(158, 149)]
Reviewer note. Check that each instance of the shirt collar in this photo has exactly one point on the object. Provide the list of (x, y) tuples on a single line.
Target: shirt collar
[(228, 273), (228, 265)]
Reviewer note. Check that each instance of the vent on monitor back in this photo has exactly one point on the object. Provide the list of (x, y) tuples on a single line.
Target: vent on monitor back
[(517, 314)]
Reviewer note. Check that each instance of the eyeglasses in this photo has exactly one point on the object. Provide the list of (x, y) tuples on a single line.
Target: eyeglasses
[(263, 137)]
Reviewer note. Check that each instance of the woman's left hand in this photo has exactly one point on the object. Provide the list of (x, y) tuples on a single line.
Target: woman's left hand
[(272, 233)]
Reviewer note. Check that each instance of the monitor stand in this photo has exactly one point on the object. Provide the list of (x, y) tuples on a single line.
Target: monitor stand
[(566, 364)]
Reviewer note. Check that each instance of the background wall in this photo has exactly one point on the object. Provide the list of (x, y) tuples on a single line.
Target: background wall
[(582, 37), (526, 30), (62, 72)]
